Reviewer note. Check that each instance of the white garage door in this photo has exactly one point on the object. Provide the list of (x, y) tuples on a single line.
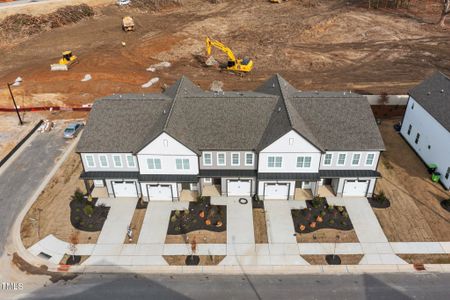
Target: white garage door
[(355, 188), (239, 187), (124, 189), (159, 192), (275, 191)]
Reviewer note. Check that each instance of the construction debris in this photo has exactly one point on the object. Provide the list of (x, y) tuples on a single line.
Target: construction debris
[(158, 66), (211, 61), (18, 81), (127, 24), (150, 82), (86, 77), (216, 86), (46, 126), (25, 25)]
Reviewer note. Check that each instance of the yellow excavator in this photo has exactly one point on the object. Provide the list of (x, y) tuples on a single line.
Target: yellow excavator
[(65, 62), (234, 64)]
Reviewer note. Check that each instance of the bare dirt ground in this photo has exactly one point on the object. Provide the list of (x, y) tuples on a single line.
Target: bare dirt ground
[(415, 214), (328, 236), (50, 214), (200, 236), (260, 226), (136, 225), (336, 45)]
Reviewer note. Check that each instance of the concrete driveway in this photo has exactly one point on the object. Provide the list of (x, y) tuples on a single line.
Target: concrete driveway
[(21, 177)]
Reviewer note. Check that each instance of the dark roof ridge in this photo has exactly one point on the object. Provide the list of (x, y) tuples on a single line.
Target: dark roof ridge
[(173, 103)]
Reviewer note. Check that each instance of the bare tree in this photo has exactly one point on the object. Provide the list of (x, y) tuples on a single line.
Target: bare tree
[(445, 11)]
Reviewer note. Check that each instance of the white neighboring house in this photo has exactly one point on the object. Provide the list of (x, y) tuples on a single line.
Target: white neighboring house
[(276, 142), (426, 123)]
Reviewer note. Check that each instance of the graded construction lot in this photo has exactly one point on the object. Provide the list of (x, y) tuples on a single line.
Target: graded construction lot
[(315, 45), (415, 214)]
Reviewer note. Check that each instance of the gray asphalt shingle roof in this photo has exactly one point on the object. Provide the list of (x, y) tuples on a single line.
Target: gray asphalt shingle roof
[(433, 94), (230, 120), (123, 124)]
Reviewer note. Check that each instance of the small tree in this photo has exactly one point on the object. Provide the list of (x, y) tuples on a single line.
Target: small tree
[(73, 243)]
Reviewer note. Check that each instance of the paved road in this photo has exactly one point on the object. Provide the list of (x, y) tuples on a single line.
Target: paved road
[(379, 286), (24, 175)]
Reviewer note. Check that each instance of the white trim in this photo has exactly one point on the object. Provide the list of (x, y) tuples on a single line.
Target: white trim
[(345, 159), (128, 162), (207, 180), (114, 161), (210, 158), (353, 158), (87, 160), (373, 160), (245, 158), (224, 159), (238, 156), (100, 160), (325, 158)]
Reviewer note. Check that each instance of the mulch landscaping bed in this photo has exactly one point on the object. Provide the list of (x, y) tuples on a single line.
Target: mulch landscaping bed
[(84, 215), (200, 260), (379, 201), (319, 215), (200, 215), (256, 203)]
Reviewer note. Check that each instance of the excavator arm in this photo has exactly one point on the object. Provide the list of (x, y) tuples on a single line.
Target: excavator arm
[(214, 43)]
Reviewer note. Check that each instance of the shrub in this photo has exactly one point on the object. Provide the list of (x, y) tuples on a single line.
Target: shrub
[(323, 213), (173, 219), (78, 196), (330, 207), (345, 214), (331, 222), (88, 210), (344, 223), (186, 212), (177, 213), (177, 228), (340, 208), (317, 202), (381, 197)]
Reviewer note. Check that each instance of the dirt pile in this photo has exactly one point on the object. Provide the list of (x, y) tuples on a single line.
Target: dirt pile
[(155, 4), (23, 25)]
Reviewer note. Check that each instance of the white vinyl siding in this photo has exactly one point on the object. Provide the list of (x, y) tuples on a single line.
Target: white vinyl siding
[(130, 161), (235, 159), (103, 161), (341, 159), (370, 158), (249, 159), (117, 160), (327, 159), (154, 163), (182, 164), (355, 159), (304, 162), (221, 160), (90, 161), (274, 161), (207, 158)]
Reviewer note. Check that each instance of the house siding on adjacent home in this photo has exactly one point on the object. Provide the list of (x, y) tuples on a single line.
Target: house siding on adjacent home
[(433, 145)]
